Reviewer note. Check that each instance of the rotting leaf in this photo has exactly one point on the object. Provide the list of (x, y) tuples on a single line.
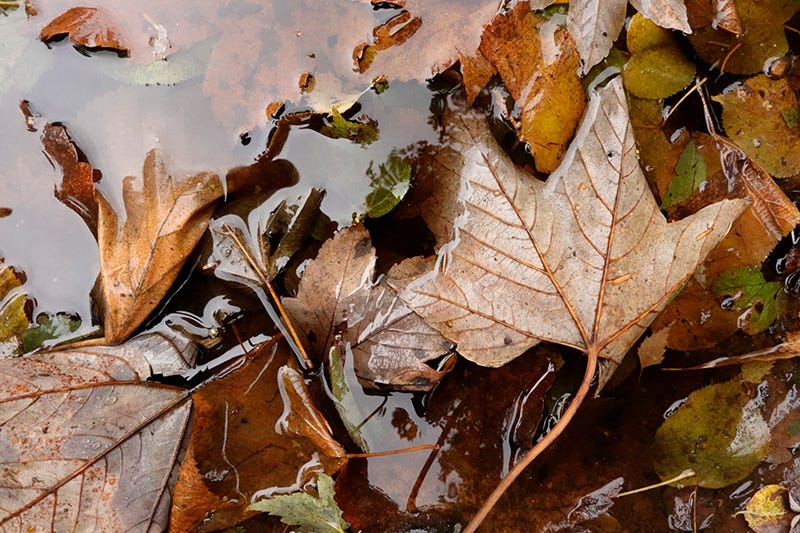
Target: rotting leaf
[(257, 432), (719, 432), (690, 176), (761, 37), (318, 514), (389, 185), (142, 252), (584, 260), (766, 511), (87, 444), (754, 118), (538, 62), (389, 342), (363, 132), (77, 190), (88, 27), (758, 301)]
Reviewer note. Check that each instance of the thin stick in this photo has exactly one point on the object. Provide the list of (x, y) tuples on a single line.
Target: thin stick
[(505, 483), (9, 4), (254, 265), (684, 97), (728, 56), (392, 452), (683, 475)]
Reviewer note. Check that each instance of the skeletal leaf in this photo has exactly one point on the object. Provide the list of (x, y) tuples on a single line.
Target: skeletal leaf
[(585, 260)]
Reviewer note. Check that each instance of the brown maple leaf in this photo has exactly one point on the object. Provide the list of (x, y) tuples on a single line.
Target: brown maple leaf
[(586, 260)]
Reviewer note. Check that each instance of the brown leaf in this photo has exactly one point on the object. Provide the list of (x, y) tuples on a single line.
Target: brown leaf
[(142, 252), (256, 431), (77, 189), (390, 344), (538, 63), (651, 351), (91, 27), (87, 444), (585, 260), (670, 14)]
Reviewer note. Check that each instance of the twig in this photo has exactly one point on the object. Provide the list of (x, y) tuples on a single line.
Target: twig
[(684, 97), (393, 452), (9, 4), (683, 475), (265, 281), (505, 483)]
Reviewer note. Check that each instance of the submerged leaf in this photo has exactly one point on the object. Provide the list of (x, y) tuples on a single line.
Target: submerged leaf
[(754, 116), (143, 250), (585, 260), (759, 301), (87, 444), (389, 185), (389, 342), (719, 432), (313, 515), (363, 132)]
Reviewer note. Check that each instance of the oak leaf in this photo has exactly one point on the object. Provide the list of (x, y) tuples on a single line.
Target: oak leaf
[(586, 260), (87, 444), (142, 252)]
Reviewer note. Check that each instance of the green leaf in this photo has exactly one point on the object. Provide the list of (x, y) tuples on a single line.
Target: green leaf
[(174, 69), (338, 127), (313, 515), (746, 291), (345, 404), (389, 185), (718, 432), (57, 326), (690, 176)]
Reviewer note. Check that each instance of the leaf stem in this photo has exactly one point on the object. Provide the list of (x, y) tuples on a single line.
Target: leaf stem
[(505, 483)]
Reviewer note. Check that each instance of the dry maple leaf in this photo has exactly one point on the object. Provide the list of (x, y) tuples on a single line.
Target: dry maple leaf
[(87, 444), (142, 253), (585, 260)]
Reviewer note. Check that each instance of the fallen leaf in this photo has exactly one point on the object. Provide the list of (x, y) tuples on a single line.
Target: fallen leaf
[(595, 25), (767, 511), (755, 118), (538, 62), (719, 432), (690, 176), (89, 27), (589, 507), (388, 185), (726, 17), (256, 433), (651, 351), (585, 260), (87, 443), (318, 514), (13, 319), (77, 190), (390, 344), (745, 291), (761, 37), (666, 13), (142, 252)]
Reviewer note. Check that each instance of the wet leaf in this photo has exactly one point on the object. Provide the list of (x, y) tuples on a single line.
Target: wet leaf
[(766, 510), (13, 319), (762, 35), (389, 185), (690, 176), (657, 67), (313, 514), (538, 62), (176, 68), (589, 507), (390, 344), (271, 237), (754, 119), (363, 132), (585, 260), (89, 27), (719, 432), (595, 25), (48, 327), (256, 433), (758, 301), (77, 190), (143, 250), (651, 351), (87, 443)]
